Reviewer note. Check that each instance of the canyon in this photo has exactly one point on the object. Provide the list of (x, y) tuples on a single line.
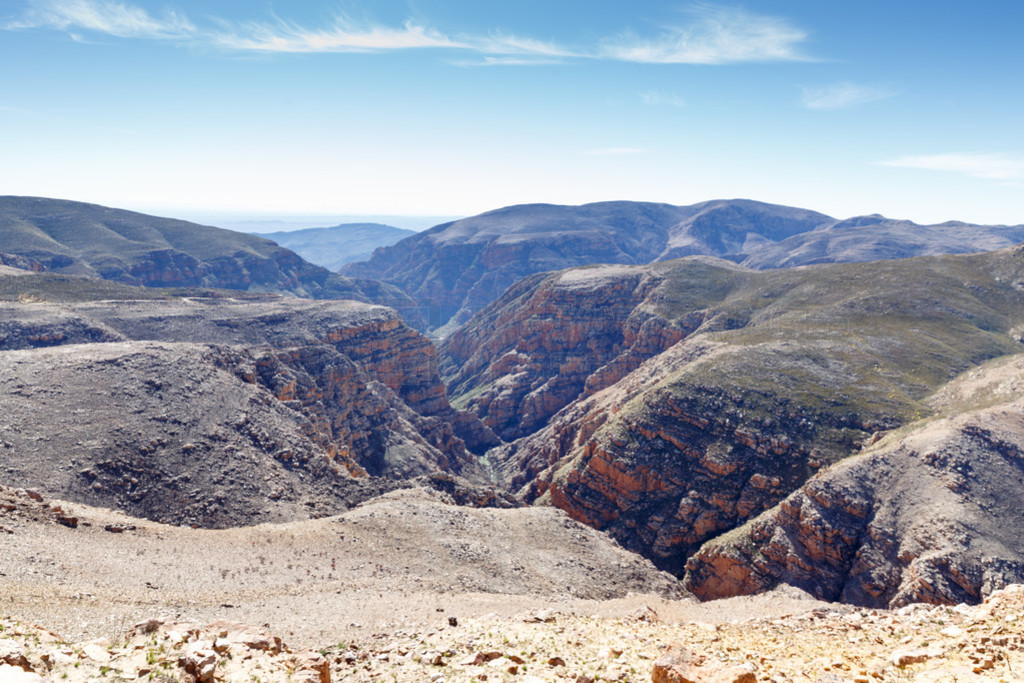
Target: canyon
[(692, 383)]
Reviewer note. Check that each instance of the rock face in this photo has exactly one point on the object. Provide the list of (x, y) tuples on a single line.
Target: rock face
[(932, 515), (776, 375), (455, 269), (73, 238), (552, 338), (244, 411)]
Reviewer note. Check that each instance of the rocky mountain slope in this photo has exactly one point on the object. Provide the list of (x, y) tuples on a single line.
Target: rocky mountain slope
[(219, 411), (335, 246), (766, 377), (455, 269), (74, 238), (931, 513)]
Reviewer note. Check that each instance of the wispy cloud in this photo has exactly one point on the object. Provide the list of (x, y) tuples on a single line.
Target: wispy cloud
[(341, 36), (717, 35), (112, 18), (615, 151), (842, 95), (658, 98), (985, 166), (713, 35)]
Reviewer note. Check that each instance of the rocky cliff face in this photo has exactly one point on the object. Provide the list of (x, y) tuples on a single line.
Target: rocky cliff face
[(776, 375), (551, 339), (931, 515), (243, 411)]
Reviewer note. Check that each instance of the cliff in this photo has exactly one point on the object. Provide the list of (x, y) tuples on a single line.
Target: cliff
[(777, 375), (219, 412), (929, 514)]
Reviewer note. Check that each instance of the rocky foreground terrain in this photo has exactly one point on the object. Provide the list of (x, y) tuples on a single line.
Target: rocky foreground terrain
[(412, 588)]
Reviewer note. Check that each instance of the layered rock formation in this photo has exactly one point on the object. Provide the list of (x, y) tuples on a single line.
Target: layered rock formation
[(552, 338), (218, 412), (929, 514), (455, 269), (777, 374)]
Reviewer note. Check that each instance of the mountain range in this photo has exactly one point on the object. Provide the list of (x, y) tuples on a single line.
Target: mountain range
[(75, 238), (455, 269), (667, 375)]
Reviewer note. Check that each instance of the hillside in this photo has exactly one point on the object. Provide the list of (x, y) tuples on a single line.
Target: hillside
[(672, 402), (335, 246), (217, 411), (455, 269), (73, 238), (930, 513)]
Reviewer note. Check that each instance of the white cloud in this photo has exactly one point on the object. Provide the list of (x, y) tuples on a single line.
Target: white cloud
[(718, 36), (342, 36), (662, 98), (113, 18), (615, 151), (841, 95), (985, 166), (502, 44), (715, 36)]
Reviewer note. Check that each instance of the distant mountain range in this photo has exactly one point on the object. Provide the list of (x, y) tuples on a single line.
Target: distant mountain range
[(457, 268), (74, 238), (335, 246)]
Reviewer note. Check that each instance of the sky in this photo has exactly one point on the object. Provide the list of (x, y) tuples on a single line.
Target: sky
[(912, 109)]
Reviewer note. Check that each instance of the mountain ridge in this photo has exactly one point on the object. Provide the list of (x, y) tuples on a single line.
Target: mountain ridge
[(455, 269)]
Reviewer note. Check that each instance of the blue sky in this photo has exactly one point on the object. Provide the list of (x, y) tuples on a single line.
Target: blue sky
[(912, 109)]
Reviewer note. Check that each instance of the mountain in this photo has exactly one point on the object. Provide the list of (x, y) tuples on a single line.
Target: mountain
[(74, 238), (219, 411), (334, 247), (455, 269), (670, 403), (931, 513)]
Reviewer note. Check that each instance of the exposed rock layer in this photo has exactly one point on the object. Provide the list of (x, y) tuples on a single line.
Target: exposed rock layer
[(246, 411), (932, 515), (777, 374)]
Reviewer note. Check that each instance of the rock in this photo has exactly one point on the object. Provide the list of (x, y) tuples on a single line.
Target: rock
[(544, 616), (326, 392), (199, 661), (679, 665), (646, 614), (15, 674), (310, 667), (96, 652), (915, 656), (11, 655)]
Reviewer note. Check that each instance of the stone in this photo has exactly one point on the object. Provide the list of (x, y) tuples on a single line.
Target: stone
[(915, 656)]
